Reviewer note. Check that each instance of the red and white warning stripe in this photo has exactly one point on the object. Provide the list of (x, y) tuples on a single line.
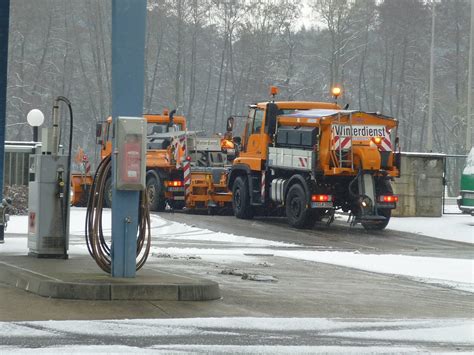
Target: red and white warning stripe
[(179, 145), (262, 190), (86, 163), (386, 144), (187, 176), (341, 142), (303, 162)]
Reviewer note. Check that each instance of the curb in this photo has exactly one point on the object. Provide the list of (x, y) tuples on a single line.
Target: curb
[(108, 290)]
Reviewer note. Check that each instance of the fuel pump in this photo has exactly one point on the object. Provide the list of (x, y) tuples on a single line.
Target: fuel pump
[(130, 171), (48, 196)]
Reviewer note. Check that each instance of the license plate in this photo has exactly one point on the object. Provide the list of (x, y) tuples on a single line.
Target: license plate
[(321, 204), (469, 195), (175, 189)]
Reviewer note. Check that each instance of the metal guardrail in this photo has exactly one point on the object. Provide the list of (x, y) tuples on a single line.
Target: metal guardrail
[(16, 162)]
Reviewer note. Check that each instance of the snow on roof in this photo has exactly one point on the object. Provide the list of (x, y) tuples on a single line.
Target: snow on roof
[(319, 112), (425, 154)]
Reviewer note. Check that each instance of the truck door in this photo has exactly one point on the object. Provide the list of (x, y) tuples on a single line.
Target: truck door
[(253, 131)]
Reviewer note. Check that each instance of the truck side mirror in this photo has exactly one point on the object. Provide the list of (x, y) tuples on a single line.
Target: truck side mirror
[(230, 124), (171, 116), (271, 118), (98, 130), (98, 133)]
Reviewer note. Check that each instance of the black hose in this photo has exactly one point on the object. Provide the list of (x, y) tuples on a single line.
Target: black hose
[(354, 195), (96, 242), (68, 175)]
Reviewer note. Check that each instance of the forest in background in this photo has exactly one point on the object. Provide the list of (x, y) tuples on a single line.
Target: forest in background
[(212, 58)]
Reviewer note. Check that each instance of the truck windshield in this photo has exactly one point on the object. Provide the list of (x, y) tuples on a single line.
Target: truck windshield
[(156, 128), (469, 168)]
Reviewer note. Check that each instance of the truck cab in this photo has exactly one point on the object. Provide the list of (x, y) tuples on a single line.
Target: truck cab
[(163, 172), (156, 125), (256, 136)]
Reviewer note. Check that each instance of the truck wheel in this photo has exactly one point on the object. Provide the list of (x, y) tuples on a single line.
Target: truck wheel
[(297, 211), (241, 199), (156, 198), (176, 205), (108, 192)]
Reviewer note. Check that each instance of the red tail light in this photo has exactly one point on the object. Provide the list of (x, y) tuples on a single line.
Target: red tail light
[(174, 183), (321, 198), (388, 198)]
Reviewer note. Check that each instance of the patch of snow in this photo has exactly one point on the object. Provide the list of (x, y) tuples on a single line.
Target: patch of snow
[(425, 154), (446, 331), (14, 246), (457, 228), (78, 349), (215, 349), (23, 329)]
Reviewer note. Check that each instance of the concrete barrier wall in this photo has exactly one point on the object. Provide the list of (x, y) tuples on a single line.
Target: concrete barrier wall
[(420, 186)]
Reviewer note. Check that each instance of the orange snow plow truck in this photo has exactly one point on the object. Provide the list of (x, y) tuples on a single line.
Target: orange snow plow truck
[(307, 159), (164, 176)]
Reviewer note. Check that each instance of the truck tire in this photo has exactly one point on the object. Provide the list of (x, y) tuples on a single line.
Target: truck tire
[(156, 197), (176, 205), (382, 187), (241, 199), (108, 192), (297, 211)]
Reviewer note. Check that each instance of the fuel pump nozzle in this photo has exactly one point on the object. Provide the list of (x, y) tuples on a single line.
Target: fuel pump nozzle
[(61, 183)]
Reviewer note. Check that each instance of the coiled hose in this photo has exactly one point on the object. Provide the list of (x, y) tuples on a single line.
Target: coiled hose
[(96, 243)]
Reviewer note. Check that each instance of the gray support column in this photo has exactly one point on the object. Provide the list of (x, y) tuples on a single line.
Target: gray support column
[(128, 60), (4, 23)]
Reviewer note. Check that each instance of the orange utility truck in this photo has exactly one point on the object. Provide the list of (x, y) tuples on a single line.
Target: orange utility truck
[(307, 159), (164, 177)]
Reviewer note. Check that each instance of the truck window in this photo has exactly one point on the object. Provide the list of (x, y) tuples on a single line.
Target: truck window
[(157, 128), (257, 122), (248, 128)]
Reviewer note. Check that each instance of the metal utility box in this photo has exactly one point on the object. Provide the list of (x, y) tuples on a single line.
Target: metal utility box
[(302, 137), (47, 210), (130, 172), (205, 152), (291, 158), (204, 144)]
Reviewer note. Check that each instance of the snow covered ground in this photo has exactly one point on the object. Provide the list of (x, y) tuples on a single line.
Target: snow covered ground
[(218, 246), (386, 336), (456, 227), (239, 336)]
